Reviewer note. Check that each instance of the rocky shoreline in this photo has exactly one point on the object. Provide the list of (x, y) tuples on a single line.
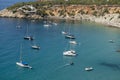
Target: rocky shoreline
[(110, 17)]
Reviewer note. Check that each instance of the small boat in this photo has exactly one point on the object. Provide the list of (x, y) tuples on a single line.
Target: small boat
[(70, 37), (63, 32), (46, 25), (111, 41), (88, 68), (72, 42), (117, 50), (71, 63), (54, 23), (21, 63), (35, 47), (69, 53), (28, 37), (18, 27)]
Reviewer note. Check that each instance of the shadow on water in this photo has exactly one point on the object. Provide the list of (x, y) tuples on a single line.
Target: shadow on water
[(111, 65)]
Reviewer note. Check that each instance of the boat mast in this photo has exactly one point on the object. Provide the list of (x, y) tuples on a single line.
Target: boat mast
[(27, 30), (21, 53)]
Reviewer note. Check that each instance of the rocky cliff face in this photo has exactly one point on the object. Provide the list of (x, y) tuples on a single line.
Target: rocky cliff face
[(109, 15)]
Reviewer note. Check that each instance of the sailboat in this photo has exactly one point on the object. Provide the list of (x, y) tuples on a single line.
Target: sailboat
[(47, 24), (70, 52), (64, 32), (27, 37), (21, 63), (69, 35)]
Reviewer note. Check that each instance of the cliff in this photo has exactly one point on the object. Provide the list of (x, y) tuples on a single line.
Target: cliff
[(109, 15)]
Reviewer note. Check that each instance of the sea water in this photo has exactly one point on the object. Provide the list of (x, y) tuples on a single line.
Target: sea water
[(93, 49)]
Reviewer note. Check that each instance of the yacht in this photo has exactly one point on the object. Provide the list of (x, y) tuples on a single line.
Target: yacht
[(69, 53)]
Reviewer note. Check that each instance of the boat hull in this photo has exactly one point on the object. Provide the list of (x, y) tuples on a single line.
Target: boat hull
[(69, 53), (89, 69), (36, 47), (69, 37), (73, 42), (28, 38), (22, 65)]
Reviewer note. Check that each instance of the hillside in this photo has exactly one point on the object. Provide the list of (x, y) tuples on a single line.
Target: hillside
[(105, 14)]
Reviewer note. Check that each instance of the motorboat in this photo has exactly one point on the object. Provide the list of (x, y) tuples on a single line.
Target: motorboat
[(72, 42), (69, 53), (88, 68), (35, 47)]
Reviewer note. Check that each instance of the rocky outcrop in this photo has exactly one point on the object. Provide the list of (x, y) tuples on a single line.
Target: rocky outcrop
[(18, 14), (108, 15)]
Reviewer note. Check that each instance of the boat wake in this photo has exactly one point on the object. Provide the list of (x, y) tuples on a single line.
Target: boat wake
[(68, 64)]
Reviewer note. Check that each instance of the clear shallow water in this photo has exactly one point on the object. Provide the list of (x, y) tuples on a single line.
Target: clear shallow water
[(48, 63)]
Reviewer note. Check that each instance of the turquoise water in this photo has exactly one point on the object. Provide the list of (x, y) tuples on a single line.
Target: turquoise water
[(48, 63)]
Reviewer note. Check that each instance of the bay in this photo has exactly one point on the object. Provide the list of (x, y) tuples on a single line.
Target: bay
[(48, 63)]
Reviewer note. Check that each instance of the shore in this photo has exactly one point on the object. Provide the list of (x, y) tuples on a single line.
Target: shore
[(110, 17)]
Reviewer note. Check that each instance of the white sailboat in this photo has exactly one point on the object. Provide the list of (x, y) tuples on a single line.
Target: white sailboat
[(27, 37), (21, 63), (70, 52), (64, 32)]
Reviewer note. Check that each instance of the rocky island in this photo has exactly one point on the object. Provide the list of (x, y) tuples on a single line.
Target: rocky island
[(73, 10)]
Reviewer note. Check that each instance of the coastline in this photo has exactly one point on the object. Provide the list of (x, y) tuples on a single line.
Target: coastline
[(72, 12)]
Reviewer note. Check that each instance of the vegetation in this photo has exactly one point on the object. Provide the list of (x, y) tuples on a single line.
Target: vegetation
[(38, 3)]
